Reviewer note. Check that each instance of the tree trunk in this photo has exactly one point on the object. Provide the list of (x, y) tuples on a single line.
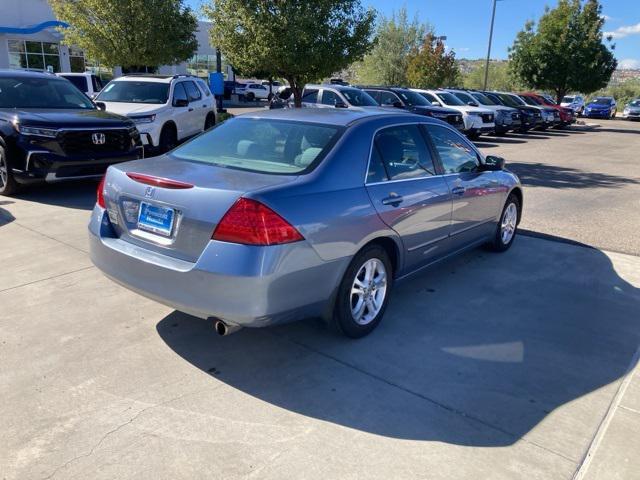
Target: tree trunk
[(560, 93), (297, 92), (270, 87)]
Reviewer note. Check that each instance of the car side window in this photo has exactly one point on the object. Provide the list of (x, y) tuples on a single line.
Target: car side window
[(330, 98), (403, 152), (375, 94), (429, 97), (376, 172), (179, 93), (192, 91), (388, 98), (204, 88), (456, 155), (310, 95)]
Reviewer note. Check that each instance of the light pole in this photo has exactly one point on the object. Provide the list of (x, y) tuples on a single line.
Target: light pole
[(486, 65)]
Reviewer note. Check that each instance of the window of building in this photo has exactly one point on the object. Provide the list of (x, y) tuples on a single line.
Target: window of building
[(77, 60), (37, 55)]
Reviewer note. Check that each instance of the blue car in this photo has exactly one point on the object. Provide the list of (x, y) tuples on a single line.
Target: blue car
[(601, 107), (293, 213)]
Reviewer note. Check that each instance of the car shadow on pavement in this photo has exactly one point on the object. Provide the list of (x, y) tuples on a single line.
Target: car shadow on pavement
[(553, 176), (79, 194), (601, 129), (476, 351), (5, 216)]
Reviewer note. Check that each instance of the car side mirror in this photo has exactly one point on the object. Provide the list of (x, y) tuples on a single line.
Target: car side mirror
[(180, 102), (492, 163), (397, 104), (101, 106), (340, 104)]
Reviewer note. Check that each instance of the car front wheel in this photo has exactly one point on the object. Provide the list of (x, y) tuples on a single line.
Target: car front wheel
[(363, 294), (8, 185), (507, 226)]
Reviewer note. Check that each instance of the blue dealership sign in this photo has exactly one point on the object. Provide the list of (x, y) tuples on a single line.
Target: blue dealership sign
[(216, 83)]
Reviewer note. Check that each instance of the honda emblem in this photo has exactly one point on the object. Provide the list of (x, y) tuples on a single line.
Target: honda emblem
[(149, 192), (99, 138)]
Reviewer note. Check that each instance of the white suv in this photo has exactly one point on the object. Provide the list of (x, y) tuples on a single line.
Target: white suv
[(165, 109), (257, 91), (476, 120)]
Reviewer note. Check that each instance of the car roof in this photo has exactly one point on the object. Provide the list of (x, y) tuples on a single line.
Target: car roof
[(328, 116), (26, 73), (331, 85), (74, 74), (154, 78)]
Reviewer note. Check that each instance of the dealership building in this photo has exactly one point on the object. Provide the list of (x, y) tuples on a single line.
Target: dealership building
[(29, 39)]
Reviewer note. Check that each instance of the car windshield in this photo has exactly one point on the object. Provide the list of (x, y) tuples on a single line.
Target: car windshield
[(358, 98), (38, 92), (602, 101), (634, 103), (131, 91), (514, 99), (568, 99), (483, 99), (450, 99), (466, 98), (412, 98), (261, 145), (530, 101)]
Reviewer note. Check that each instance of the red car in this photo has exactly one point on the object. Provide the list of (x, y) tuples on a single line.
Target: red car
[(567, 115)]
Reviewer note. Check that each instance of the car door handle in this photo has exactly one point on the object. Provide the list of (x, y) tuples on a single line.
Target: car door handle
[(394, 200), (191, 109), (458, 190)]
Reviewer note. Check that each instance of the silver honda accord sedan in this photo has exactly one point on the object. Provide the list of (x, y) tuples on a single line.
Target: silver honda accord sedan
[(287, 214)]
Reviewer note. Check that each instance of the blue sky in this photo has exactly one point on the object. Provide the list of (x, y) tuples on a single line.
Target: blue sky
[(466, 23)]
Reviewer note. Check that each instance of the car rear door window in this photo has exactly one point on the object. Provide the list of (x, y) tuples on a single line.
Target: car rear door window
[(192, 91), (310, 96), (330, 98), (403, 153), (388, 98), (456, 154), (204, 88)]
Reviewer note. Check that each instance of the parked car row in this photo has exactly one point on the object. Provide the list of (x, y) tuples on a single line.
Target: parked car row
[(470, 111), (50, 130)]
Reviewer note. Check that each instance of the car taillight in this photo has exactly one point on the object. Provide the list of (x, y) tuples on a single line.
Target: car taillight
[(251, 223), (100, 194)]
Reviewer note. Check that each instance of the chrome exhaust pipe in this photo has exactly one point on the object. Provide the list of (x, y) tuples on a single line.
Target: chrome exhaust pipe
[(223, 329)]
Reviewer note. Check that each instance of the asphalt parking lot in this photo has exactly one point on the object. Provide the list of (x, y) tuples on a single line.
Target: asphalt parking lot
[(521, 365)]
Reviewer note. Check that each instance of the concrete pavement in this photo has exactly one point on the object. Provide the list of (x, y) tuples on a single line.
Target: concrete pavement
[(488, 366)]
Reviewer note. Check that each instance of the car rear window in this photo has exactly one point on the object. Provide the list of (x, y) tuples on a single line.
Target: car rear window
[(262, 145)]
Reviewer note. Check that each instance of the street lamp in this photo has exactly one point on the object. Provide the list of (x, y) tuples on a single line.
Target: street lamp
[(486, 65)]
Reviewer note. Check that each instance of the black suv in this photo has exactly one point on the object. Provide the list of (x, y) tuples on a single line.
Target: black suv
[(51, 131), (398, 97)]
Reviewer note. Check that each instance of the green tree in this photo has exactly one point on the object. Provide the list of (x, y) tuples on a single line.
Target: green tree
[(500, 78), (298, 40), (130, 33), (396, 38), (431, 66), (566, 51)]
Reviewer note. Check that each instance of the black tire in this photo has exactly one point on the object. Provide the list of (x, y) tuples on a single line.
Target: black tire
[(498, 243), (8, 184), (168, 138), (250, 96), (473, 135), (210, 121), (343, 319)]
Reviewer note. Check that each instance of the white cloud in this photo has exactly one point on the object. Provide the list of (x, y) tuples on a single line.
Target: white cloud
[(629, 64), (624, 31), (606, 18)]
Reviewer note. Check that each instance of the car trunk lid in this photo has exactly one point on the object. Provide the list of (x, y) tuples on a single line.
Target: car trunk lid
[(173, 206)]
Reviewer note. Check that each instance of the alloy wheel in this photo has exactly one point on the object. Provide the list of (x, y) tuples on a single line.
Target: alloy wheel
[(3, 171), (368, 291), (509, 223)]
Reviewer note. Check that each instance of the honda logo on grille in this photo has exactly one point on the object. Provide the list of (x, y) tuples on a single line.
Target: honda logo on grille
[(99, 138)]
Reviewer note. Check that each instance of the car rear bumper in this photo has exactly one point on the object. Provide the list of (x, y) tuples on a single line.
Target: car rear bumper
[(243, 285)]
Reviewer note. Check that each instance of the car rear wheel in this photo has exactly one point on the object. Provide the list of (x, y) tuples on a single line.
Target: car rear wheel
[(8, 184), (209, 122), (363, 294), (250, 96), (168, 138), (507, 226)]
